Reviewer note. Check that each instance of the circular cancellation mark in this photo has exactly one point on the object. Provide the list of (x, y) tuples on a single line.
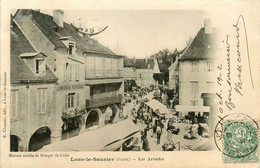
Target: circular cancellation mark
[(236, 135)]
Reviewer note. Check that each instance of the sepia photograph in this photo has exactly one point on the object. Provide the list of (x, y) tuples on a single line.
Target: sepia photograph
[(129, 83), (111, 80)]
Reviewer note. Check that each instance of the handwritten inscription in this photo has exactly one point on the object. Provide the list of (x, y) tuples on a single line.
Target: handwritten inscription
[(238, 84), (230, 73)]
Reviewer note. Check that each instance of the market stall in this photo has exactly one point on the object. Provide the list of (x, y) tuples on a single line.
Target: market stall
[(158, 108), (107, 138)]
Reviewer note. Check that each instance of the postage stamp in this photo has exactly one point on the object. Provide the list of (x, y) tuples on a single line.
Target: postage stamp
[(240, 142)]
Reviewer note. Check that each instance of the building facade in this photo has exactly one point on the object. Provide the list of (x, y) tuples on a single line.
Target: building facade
[(32, 95), (49, 35), (104, 88), (89, 85), (196, 75), (145, 72), (130, 75)]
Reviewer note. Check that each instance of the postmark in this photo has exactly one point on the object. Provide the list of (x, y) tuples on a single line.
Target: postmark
[(236, 136), (240, 142)]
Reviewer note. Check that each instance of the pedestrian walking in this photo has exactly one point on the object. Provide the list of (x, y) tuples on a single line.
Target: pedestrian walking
[(154, 130), (146, 146), (145, 131), (159, 133), (200, 130)]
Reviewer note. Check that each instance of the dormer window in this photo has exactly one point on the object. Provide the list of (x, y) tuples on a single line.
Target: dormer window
[(35, 62), (71, 46), (40, 66)]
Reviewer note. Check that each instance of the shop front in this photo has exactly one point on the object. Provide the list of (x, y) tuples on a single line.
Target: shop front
[(71, 103)]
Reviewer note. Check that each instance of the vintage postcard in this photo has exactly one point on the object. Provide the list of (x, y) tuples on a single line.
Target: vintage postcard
[(130, 84)]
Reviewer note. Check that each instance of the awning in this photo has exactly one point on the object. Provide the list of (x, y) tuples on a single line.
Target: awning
[(156, 105), (184, 108), (97, 140)]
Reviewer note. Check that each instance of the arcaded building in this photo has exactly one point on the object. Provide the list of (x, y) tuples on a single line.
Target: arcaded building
[(32, 95), (89, 77)]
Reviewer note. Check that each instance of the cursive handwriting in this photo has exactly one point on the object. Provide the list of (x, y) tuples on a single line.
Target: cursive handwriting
[(239, 83), (241, 18), (229, 103), (230, 78)]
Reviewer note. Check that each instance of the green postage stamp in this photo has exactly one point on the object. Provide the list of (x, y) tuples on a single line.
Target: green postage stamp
[(240, 142)]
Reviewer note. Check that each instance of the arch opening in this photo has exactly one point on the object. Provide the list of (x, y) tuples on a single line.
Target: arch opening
[(14, 143), (40, 138), (92, 119)]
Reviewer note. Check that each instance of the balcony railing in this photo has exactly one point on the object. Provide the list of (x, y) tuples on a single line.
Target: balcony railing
[(103, 73), (103, 99), (73, 112)]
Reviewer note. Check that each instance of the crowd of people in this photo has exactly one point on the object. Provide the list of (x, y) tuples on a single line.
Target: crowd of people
[(154, 125)]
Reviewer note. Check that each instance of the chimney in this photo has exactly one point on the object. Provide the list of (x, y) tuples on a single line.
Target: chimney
[(58, 17), (208, 26)]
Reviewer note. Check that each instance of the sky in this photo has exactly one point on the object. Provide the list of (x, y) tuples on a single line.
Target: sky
[(139, 33)]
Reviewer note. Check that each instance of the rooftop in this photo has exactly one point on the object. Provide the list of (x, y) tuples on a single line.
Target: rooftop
[(55, 33), (202, 47), (19, 70), (144, 63), (128, 62)]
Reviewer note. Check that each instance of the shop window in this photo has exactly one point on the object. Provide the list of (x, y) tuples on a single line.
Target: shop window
[(41, 100), (14, 104)]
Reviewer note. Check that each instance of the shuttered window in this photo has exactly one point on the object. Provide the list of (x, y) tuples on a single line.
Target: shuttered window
[(66, 101), (41, 100), (64, 71), (14, 104), (70, 71), (77, 99), (77, 72)]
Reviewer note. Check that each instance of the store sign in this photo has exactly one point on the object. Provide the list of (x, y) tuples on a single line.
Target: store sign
[(69, 87)]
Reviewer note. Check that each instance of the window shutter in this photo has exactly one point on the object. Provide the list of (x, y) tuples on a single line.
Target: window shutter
[(70, 71), (18, 106), (64, 71), (66, 101), (38, 101), (13, 105), (73, 71), (77, 99), (78, 71), (43, 100)]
